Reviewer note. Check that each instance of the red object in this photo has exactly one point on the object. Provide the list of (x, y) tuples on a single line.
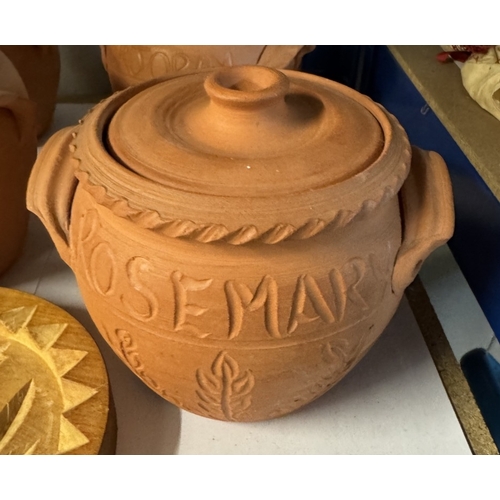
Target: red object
[(462, 52), (478, 49)]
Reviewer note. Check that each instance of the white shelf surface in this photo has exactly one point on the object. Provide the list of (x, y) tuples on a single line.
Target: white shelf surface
[(460, 314), (392, 402)]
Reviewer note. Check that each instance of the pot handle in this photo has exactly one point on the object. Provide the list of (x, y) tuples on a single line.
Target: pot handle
[(426, 201), (51, 189)]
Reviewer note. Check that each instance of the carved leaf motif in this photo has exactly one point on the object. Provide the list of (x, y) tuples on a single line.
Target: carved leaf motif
[(225, 392), (341, 354), (334, 352), (224, 365)]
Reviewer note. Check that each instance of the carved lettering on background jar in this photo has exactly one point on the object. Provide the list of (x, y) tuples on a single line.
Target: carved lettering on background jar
[(162, 63), (135, 64), (159, 64), (224, 392)]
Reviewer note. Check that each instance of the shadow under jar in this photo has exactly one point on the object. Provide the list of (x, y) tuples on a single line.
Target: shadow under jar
[(241, 237)]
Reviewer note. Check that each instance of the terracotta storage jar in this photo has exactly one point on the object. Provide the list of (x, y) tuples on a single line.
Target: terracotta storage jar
[(17, 156), (241, 237), (133, 64), (39, 67)]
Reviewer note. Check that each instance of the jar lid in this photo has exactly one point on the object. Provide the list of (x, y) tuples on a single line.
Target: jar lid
[(244, 153), (245, 131)]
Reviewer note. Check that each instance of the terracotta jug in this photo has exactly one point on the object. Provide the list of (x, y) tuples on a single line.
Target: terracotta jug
[(39, 67), (241, 237), (132, 64), (17, 156)]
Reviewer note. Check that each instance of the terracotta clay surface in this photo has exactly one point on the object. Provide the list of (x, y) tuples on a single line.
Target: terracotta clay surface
[(17, 155), (53, 383), (241, 237), (39, 67), (132, 64)]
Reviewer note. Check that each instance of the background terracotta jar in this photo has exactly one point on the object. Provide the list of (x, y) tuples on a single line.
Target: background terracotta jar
[(132, 64), (39, 67), (241, 237), (17, 156)]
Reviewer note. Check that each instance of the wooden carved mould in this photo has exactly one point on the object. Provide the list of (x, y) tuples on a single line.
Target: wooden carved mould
[(54, 392)]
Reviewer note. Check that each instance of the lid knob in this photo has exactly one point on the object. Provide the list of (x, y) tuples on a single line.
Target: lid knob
[(246, 87), (247, 113)]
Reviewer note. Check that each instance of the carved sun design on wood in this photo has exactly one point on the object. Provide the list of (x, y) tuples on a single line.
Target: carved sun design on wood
[(34, 392)]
